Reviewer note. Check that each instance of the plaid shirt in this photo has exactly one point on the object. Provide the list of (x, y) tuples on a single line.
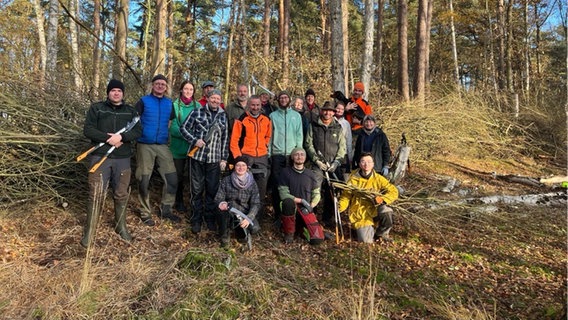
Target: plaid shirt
[(197, 126)]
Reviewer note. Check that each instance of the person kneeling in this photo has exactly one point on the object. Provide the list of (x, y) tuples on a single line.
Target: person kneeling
[(238, 202), (370, 217)]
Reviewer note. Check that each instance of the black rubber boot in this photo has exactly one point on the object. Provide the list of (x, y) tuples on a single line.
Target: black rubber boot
[(120, 220), (90, 226), (223, 224), (166, 213)]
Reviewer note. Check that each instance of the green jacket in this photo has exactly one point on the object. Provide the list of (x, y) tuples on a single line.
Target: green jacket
[(178, 145)]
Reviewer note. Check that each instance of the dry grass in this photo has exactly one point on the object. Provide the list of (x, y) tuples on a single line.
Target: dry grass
[(455, 262)]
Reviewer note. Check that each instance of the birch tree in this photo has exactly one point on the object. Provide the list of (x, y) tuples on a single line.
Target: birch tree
[(75, 54), (369, 44), (454, 45), (52, 47), (337, 50), (96, 74), (402, 26), (41, 40)]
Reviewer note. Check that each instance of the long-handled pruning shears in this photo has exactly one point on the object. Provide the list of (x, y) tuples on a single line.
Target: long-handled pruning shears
[(338, 223), (83, 155)]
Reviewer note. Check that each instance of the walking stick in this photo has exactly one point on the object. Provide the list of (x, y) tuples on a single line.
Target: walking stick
[(337, 216), (128, 127)]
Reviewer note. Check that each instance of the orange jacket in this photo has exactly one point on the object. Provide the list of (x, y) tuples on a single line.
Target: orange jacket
[(251, 136), (364, 106)]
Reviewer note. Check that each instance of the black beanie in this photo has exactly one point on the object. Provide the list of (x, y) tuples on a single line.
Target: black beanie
[(310, 92), (159, 77), (114, 84)]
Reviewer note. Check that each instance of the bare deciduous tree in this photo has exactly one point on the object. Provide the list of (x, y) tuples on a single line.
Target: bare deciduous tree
[(367, 68), (402, 26), (120, 34)]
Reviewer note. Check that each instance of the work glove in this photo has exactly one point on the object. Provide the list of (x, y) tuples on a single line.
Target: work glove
[(385, 171), (322, 165), (334, 165), (379, 200), (306, 205), (223, 165)]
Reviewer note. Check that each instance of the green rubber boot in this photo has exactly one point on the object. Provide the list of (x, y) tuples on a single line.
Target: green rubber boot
[(90, 226), (120, 220)]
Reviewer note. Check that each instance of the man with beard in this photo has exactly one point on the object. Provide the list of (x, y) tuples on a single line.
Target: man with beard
[(236, 108), (249, 140), (325, 146), (206, 129), (357, 105), (296, 183), (286, 135)]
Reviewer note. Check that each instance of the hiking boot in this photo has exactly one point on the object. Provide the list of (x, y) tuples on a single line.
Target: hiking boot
[(180, 207), (166, 213), (225, 241), (288, 238), (148, 221), (196, 228)]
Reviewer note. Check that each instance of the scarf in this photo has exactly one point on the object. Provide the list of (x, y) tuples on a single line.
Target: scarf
[(185, 100), (244, 182)]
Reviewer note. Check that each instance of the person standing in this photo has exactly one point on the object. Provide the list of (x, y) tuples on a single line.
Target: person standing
[(296, 183), (236, 108), (298, 105), (238, 191), (373, 140), (325, 146), (249, 140), (183, 106), (286, 135), (312, 109), (102, 122), (267, 106), (340, 117), (206, 131), (156, 112), (357, 105), (205, 88), (370, 216)]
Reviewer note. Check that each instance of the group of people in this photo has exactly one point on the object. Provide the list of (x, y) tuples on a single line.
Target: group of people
[(231, 153)]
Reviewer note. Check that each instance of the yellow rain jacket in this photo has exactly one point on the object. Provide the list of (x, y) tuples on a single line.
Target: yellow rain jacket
[(361, 209)]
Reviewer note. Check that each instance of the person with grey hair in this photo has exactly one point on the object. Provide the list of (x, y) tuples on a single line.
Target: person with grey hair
[(156, 113), (206, 131)]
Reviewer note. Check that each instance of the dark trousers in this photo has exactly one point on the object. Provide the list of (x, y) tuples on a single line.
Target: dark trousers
[(181, 168), (204, 185), (278, 162), (259, 168)]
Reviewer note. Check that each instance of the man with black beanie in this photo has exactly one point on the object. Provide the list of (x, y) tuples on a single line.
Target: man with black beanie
[(103, 120)]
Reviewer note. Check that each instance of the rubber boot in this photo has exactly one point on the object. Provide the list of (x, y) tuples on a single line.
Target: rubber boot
[(120, 220), (90, 226), (223, 222), (289, 228)]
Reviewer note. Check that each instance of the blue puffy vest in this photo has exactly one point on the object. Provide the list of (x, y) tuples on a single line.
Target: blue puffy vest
[(155, 119)]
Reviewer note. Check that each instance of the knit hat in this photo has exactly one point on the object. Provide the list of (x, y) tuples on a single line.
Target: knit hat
[(207, 84), (310, 91), (242, 159), (214, 92), (160, 77), (296, 150), (284, 92), (115, 84), (359, 86)]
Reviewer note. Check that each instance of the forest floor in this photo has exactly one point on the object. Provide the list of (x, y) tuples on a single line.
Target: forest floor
[(448, 261)]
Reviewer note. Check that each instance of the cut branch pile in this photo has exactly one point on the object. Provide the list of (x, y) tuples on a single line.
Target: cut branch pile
[(40, 135)]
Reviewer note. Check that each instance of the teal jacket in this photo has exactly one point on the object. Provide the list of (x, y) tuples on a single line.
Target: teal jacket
[(178, 145), (287, 132)]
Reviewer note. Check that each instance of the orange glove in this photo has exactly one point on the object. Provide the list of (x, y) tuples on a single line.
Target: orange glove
[(379, 199)]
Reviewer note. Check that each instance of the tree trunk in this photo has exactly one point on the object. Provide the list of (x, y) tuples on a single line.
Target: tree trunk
[(96, 50), (75, 54), (145, 32), (286, 45), (428, 34), (244, 43), (281, 23), (266, 42), (379, 51), (454, 47), (232, 15), (420, 53), (526, 53), (509, 47), (369, 44), (169, 51), (121, 31), (345, 38), (491, 65), (337, 62), (501, 39), (52, 47), (42, 44), (402, 26), (159, 51), (325, 34)]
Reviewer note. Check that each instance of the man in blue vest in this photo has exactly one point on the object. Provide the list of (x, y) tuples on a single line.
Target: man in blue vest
[(156, 111)]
